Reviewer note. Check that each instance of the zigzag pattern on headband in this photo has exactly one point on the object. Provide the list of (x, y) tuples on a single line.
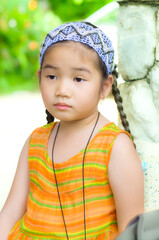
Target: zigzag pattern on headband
[(84, 33)]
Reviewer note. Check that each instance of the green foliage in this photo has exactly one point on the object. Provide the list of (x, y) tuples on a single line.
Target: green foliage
[(108, 19), (76, 9), (23, 25)]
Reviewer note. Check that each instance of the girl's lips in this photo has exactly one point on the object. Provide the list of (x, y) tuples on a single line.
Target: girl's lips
[(62, 106)]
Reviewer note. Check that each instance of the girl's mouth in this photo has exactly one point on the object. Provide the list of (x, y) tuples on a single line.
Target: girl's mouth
[(62, 106)]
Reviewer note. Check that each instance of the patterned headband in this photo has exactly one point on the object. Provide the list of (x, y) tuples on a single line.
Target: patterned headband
[(84, 33)]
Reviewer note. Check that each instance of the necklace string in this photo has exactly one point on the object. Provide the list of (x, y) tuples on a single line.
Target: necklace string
[(56, 180), (84, 207)]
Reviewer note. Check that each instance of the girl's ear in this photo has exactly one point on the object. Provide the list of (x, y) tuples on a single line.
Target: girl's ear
[(38, 74), (107, 86)]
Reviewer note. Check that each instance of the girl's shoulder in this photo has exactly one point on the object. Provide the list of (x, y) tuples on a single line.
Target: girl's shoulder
[(107, 136), (42, 132), (43, 129), (112, 130)]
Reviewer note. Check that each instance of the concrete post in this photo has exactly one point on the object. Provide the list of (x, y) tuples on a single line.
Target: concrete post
[(138, 53)]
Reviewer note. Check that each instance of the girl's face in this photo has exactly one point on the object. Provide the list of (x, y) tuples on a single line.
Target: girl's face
[(71, 82)]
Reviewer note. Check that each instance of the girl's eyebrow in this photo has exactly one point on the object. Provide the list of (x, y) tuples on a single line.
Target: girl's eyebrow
[(50, 66), (82, 69)]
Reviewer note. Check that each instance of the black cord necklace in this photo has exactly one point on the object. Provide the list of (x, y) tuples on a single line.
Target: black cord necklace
[(82, 176)]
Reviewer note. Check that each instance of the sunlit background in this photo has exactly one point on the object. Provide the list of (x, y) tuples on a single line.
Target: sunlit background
[(23, 25)]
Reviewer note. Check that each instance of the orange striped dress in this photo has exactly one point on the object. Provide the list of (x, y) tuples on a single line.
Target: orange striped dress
[(43, 218)]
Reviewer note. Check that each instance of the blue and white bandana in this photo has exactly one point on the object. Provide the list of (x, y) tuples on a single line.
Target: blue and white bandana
[(84, 33)]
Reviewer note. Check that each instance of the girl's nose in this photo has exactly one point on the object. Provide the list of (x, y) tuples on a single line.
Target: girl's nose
[(63, 89)]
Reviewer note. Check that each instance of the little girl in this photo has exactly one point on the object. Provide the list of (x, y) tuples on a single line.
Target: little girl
[(79, 177)]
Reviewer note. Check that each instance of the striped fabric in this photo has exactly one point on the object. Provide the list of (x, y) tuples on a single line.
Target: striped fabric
[(43, 219)]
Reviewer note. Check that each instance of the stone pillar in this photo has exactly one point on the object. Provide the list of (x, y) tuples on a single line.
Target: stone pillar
[(138, 53)]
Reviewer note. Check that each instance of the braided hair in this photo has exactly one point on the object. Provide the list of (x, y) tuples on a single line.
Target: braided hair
[(116, 94), (118, 100), (49, 117)]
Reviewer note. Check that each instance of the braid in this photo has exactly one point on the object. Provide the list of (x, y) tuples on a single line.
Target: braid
[(118, 100), (49, 117)]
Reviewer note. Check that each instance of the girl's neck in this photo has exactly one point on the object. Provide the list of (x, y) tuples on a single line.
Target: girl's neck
[(71, 126), (76, 134)]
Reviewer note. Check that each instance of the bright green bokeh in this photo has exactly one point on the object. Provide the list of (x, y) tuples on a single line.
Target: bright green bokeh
[(71, 10), (23, 25)]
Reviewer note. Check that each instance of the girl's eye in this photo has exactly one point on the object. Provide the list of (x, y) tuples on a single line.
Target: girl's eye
[(52, 77), (78, 79)]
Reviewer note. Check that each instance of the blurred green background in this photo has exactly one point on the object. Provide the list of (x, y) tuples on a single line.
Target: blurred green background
[(23, 25)]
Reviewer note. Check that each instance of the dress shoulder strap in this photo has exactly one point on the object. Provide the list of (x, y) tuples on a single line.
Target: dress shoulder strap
[(107, 137)]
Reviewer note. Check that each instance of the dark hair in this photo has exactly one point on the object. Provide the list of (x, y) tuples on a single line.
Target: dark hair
[(49, 117), (115, 92), (118, 100)]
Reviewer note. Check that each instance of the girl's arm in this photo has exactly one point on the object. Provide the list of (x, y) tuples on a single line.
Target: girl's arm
[(126, 180), (15, 205)]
